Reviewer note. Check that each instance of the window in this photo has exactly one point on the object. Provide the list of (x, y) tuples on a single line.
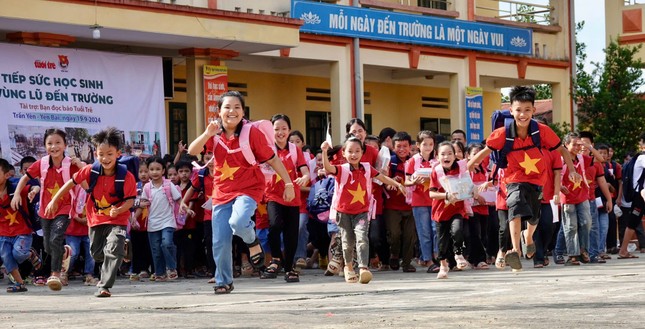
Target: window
[(437, 126), (436, 4), (316, 123), (178, 125), (368, 123)]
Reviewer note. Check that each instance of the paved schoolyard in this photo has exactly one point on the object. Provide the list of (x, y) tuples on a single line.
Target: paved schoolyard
[(608, 295)]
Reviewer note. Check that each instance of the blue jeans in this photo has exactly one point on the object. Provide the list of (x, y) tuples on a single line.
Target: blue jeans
[(164, 252), (228, 219), (594, 232), (14, 250), (576, 222), (303, 237), (426, 231), (603, 228), (75, 242), (560, 245)]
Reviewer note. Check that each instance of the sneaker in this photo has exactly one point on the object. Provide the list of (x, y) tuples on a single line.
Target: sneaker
[(559, 260)]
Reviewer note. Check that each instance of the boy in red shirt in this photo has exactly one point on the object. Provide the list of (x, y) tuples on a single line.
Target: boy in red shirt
[(524, 175), (108, 216)]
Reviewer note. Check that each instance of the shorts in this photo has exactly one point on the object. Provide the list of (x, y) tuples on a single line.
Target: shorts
[(523, 201), (635, 214)]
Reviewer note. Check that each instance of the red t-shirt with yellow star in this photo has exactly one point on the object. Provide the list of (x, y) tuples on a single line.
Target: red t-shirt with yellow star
[(525, 166), (593, 172), (370, 156), (262, 216), (233, 175), (578, 193), (53, 182), (275, 186), (442, 211), (554, 162), (103, 194), (500, 202), (12, 223), (396, 200), (420, 195), (207, 189), (354, 198)]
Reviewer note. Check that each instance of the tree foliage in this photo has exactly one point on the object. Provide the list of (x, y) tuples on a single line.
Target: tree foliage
[(609, 104)]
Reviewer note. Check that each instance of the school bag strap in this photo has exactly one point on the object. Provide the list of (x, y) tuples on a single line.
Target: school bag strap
[(167, 185), (201, 176), (64, 170), (119, 182), (264, 126), (339, 186)]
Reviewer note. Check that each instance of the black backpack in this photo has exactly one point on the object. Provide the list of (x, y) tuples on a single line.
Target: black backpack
[(629, 192)]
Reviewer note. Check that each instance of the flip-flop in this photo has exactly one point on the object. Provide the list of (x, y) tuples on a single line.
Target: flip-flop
[(530, 248), (500, 263), (103, 293), (627, 256), (513, 260)]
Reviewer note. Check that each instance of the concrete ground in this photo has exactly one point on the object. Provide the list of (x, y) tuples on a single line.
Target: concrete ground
[(608, 295)]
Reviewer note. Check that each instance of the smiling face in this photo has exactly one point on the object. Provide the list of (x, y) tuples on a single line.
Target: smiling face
[(107, 155), (426, 146), (353, 153), (231, 112), (295, 140), (55, 146), (357, 131), (402, 149), (156, 171), (574, 146), (446, 156), (281, 131), (522, 112)]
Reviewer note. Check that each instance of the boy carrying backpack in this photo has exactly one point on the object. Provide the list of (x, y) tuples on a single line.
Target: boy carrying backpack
[(633, 195)]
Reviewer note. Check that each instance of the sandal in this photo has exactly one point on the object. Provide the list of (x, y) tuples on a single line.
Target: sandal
[(225, 289), (482, 266), (35, 260), (103, 293), (333, 267), (364, 276), (512, 258), (500, 263), (462, 263), (394, 264), (172, 274), (257, 259), (17, 287), (433, 268), (443, 272), (40, 281), (291, 276), (53, 282), (247, 269), (350, 276), (271, 272), (530, 248)]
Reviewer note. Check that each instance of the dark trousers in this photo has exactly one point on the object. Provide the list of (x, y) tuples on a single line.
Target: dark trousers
[(285, 221), (623, 223), (543, 233), (141, 256), (54, 239), (474, 246), (318, 235), (503, 233), (451, 237), (401, 234), (612, 232), (378, 239), (185, 242), (491, 240)]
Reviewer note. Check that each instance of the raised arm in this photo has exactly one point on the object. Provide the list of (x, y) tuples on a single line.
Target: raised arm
[(478, 158)]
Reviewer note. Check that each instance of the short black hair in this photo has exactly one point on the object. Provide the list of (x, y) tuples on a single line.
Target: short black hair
[(282, 117), (587, 134), (27, 159), (232, 93), (402, 136), (602, 147), (183, 164), (297, 133), (6, 166), (385, 133), (55, 131), (522, 94), (641, 138), (110, 136), (458, 131)]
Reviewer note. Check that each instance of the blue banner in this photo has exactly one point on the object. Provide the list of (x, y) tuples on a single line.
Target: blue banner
[(474, 114), (376, 24)]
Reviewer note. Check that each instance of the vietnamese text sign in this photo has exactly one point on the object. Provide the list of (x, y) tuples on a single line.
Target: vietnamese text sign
[(81, 92), (474, 114), (408, 28), (215, 85)]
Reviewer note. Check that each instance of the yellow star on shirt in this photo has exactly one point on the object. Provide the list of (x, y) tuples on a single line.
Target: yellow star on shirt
[(279, 178), (227, 172), (358, 195), (426, 185), (11, 216), (529, 164), (104, 203), (262, 209), (54, 190), (576, 185)]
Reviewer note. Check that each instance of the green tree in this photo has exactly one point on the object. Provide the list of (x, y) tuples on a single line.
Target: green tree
[(543, 91), (609, 104)]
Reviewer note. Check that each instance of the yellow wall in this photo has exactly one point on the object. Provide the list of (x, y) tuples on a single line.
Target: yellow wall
[(492, 102)]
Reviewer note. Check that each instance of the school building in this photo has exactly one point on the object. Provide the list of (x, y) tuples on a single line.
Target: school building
[(624, 23), (405, 64)]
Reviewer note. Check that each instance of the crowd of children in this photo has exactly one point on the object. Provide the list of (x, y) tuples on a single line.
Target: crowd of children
[(248, 198)]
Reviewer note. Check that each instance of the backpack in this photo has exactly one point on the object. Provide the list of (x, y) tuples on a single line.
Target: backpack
[(180, 218), (265, 126), (320, 196), (201, 174), (119, 181), (503, 118), (629, 192), (65, 166), (268, 171), (131, 162), (340, 186)]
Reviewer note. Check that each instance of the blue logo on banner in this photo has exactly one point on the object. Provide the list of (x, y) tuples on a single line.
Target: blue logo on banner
[(407, 28)]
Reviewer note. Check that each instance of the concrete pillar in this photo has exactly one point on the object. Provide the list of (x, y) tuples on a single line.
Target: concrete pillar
[(458, 83), (195, 95), (340, 81)]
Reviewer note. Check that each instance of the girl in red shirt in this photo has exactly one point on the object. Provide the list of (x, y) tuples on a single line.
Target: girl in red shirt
[(354, 205)]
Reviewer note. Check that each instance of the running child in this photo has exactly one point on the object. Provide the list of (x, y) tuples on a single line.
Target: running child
[(108, 208), (354, 205)]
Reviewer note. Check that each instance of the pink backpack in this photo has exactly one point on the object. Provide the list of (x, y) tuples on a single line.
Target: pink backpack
[(417, 165), (64, 171), (463, 170), (338, 188), (180, 217)]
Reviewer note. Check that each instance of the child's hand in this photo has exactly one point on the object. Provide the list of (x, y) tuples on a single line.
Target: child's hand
[(403, 190), (77, 162), (564, 189), (81, 220), (134, 223), (302, 181), (289, 193), (416, 180), (451, 198), (32, 193), (114, 211), (575, 177), (213, 128), (51, 209), (16, 201), (556, 198), (181, 147), (144, 203), (325, 146)]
